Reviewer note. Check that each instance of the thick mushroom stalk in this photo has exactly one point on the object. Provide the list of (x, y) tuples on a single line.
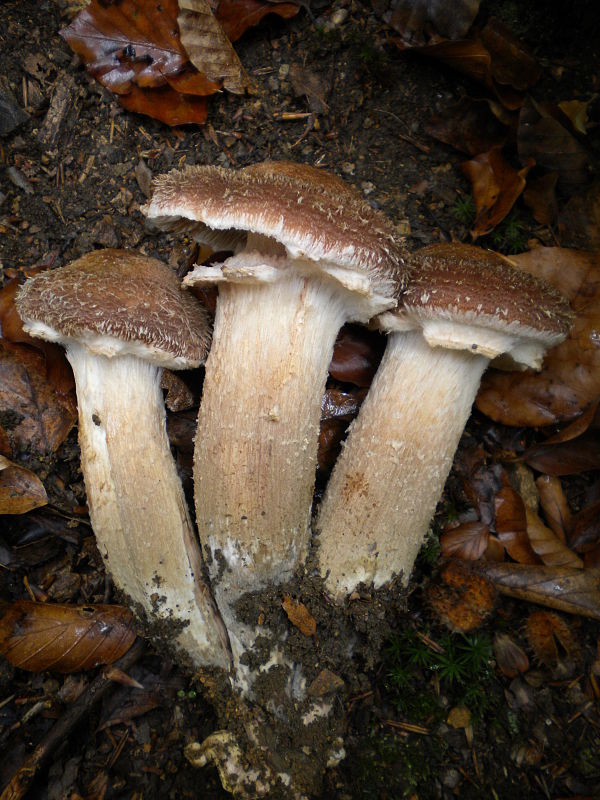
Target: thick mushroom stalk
[(463, 307), (312, 257), (116, 314)]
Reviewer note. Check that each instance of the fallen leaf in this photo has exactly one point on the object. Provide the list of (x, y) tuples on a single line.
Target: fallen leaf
[(307, 83), (579, 220), (570, 378), (208, 47), (356, 355), (496, 187), (540, 198), (548, 546), (414, 18), (554, 505), (511, 658), (468, 541), (236, 16), (576, 111), (576, 591), (544, 630), (542, 138), (511, 526), (299, 615), (40, 420), (20, 489), (64, 638), (512, 63), (469, 126), (463, 600), (566, 458), (585, 528)]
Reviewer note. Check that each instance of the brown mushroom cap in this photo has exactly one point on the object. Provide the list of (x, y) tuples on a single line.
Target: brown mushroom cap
[(116, 301), (316, 217), (479, 289)]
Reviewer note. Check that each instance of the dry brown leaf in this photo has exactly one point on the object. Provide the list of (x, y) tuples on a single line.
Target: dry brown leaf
[(469, 126), (208, 46), (64, 638), (511, 658), (576, 591), (468, 541), (40, 419), (540, 197), (511, 62), (496, 187), (542, 138), (463, 600), (511, 526), (544, 630), (20, 489), (570, 379), (566, 458), (576, 111), (548, 546), (413, 18), (299, 615), (554, 505)]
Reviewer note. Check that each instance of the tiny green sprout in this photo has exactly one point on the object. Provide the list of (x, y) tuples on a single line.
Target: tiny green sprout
[(509, 237), (181, 694), (464, 210), (192, 694)]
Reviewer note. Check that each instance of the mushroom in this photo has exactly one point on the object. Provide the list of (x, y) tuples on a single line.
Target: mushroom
[(463, 307), (310, 255), (122, 317)]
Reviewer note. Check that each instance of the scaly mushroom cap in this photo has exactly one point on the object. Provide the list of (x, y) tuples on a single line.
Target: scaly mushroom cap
[(117, 302), (315, 216), (462, 295)]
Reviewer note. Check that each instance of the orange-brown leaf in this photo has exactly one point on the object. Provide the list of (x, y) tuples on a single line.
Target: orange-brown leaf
[(20, 489), (548, 546), (570, 379), (554, 505), (496, 187), (42, 419), (468, 541), (356, 355), (166, 105), (64, 638), (511, 526), (236, 16), (299, 615)]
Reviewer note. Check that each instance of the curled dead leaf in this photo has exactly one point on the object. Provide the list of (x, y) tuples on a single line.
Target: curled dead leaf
[(64, 638), (511, 658), (20, 489), (468, 541), (548, 546), (299, 615), (554, 505)]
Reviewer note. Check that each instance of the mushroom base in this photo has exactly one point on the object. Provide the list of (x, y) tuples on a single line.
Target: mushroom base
[(391, 473), (136, 501)]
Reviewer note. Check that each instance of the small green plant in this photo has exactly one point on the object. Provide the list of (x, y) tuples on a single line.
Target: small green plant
[(509, 237), (431, 548), (464, 210)]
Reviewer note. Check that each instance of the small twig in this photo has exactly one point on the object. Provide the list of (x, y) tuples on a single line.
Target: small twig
[(22, 778), (291, 116), (422, 147), (406, 726)]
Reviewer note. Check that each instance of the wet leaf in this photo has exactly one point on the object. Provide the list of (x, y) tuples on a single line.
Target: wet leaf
[(542, 138), (236, 16), (468, 541), (64, 638), (548, 546), (469, 126), (20, 490), (511, 62), (554, 505), (511, 526), (566, 458), (585, 528), (331, 433), (463, 599), (208, 47), (540, 197), (576, 591), (511, 658), (570, 379), (40, 420), (356, 355), (413, 18), (496, 187), (299, 615), (545, 631)]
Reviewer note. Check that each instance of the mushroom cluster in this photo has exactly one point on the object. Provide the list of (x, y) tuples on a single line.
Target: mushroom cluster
[(308, 256)]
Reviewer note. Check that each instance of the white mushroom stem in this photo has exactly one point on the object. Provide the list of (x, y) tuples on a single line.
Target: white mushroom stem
[(258, 427), (391, 473), (136, 501)]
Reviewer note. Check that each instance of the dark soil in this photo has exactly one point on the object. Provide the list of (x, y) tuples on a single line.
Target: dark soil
[(75, 181)]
